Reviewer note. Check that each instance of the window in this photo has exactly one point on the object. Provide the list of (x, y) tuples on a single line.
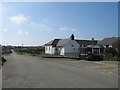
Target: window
[(96, 51), (107, 46), (55, 49)]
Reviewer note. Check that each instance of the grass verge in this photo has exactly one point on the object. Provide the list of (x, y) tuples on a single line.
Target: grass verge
[(19, 53), (6, 54)]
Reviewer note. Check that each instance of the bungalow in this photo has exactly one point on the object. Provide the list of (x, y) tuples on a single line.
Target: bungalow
[(67, 47), (108, 42)]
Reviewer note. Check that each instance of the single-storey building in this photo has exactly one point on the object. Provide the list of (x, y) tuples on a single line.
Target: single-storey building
[(108, 42), (67, 47)]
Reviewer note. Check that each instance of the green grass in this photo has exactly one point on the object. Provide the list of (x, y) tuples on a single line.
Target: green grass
[(0, 62), (19, 53), (6, 54)]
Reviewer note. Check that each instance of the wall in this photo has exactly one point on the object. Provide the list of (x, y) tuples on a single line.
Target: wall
[(49, 50), (70, 49)]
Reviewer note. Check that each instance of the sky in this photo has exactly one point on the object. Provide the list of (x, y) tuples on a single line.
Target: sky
[(36, 23)]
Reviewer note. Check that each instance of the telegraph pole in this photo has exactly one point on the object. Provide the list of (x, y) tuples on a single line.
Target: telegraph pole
[(22, 44)]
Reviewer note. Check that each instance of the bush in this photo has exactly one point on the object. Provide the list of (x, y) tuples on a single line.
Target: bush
[(110, 57), (3, 61), (111, 54), (116, 58)]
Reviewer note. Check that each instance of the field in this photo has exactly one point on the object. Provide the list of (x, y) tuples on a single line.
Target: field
[(30, 50)]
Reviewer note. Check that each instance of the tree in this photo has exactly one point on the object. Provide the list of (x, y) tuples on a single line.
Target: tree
[(116, 46), (113, 53)]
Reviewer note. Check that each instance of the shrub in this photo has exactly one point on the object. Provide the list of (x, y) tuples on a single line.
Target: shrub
[(110, 57)]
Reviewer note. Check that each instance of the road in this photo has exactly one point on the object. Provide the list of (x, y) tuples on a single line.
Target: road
[(22, 71), (0, 78)]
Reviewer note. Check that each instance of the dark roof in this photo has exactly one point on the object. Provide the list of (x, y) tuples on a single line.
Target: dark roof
[(109, 41), (53, 42), (62, 42), (86, 42)]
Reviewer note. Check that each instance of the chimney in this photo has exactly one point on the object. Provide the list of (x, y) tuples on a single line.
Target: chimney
[(72, 37), (92, 39)]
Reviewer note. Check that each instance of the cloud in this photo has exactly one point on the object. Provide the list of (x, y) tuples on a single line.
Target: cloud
[(48, 29), (22, 32), (78, 32), (19, 18), (45, 20), (67, 29), (38, 25), (5, 30)]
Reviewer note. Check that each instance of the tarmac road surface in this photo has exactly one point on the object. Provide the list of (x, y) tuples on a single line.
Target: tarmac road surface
[(22, 71)]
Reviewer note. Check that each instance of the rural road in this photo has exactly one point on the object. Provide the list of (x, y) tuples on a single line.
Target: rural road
[(22, 71), (0, 78)]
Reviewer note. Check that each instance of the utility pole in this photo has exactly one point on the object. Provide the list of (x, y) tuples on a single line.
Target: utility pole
[(22, 44)]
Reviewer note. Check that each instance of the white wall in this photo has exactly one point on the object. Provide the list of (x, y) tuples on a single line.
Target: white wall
[(108, 46), (69, 50), (62, 50), (49, 50)]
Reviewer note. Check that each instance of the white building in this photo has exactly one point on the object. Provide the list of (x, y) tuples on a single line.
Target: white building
[(66, 47), (50, 47)]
